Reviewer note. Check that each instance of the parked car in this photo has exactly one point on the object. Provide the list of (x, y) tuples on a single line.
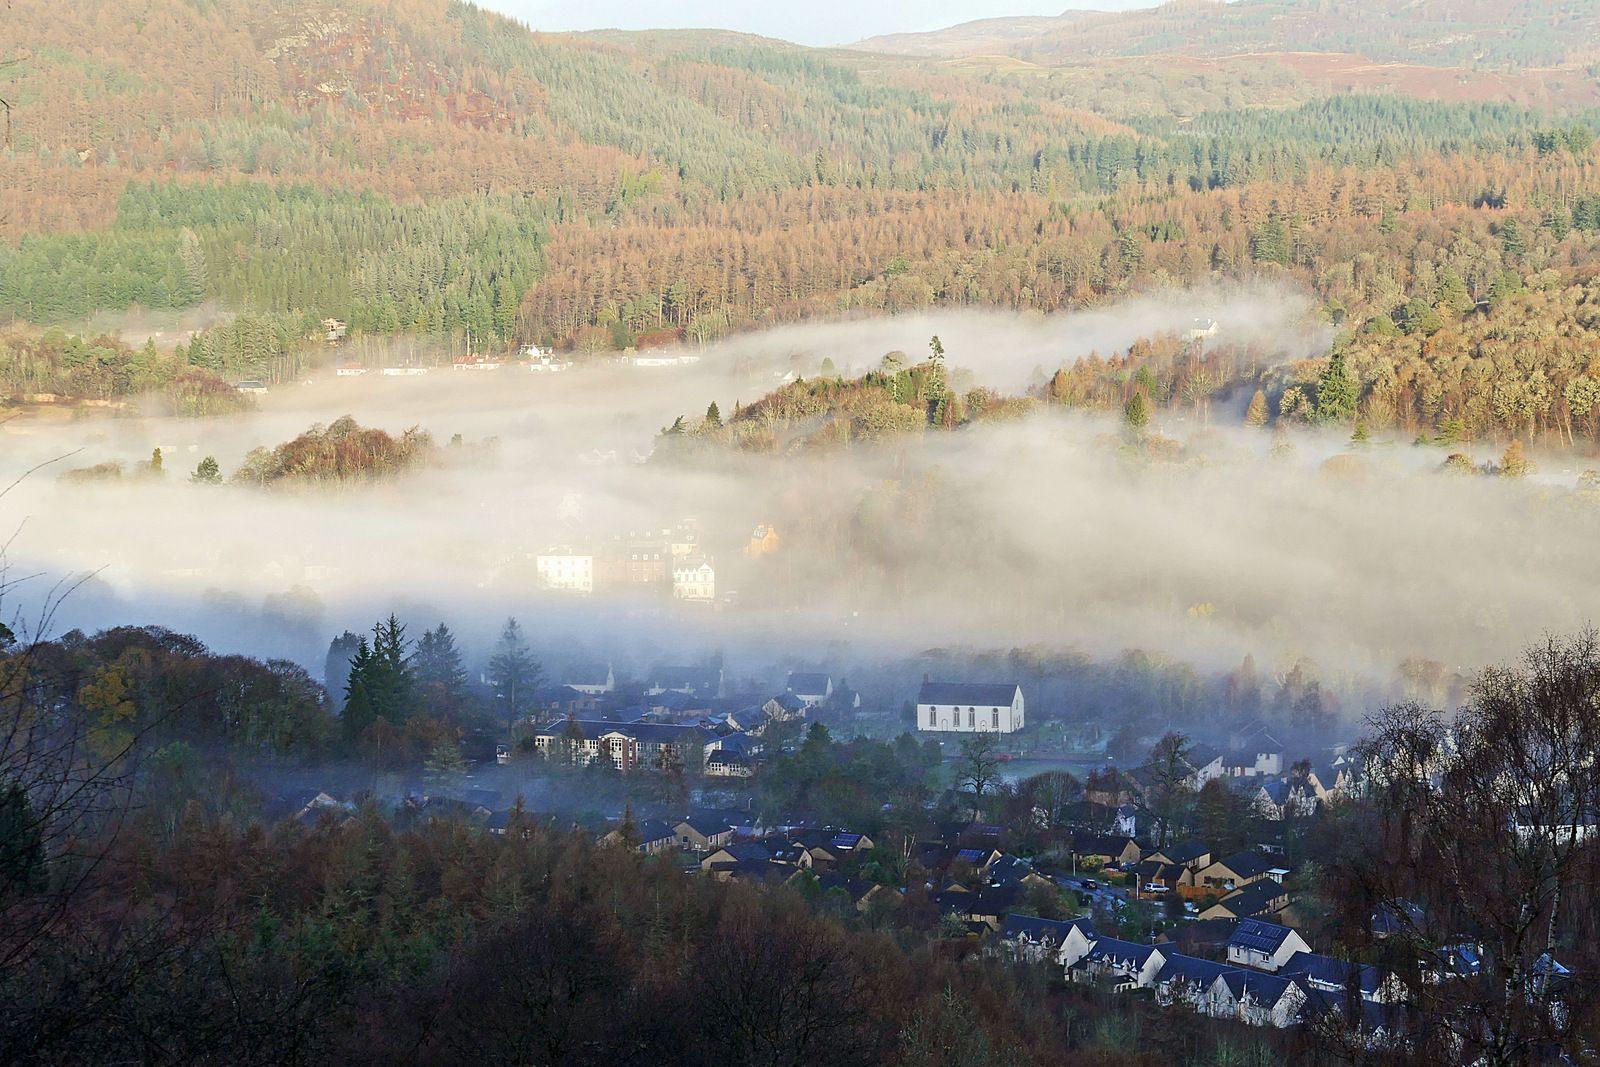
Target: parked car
[(1154, 889)]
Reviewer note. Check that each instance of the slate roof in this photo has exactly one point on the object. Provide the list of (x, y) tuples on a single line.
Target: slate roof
[(1329, 970), (1263, 988), (1099, 844), (747, 852), (1248, 864), (789, 702), (976, 694), (1392, 918), (1185, 852), (1277, 790), (1181, 968), (808, 682), (1009, 870), (1254, 899), (653, 830), (1052, 931), (1259, 936), (1120, 952), (706, 826)]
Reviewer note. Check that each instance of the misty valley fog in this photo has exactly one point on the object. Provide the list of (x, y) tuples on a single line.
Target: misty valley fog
[(1038, 532)]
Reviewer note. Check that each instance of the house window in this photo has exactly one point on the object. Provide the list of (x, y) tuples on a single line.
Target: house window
[(933, 717), (972, 718), (997, 718)]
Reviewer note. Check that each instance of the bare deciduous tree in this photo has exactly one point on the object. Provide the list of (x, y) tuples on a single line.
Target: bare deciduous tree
[(1481, 835)]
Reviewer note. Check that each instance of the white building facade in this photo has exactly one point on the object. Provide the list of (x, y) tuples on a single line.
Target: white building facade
[(694, 580), (970, 707), (570, 571)]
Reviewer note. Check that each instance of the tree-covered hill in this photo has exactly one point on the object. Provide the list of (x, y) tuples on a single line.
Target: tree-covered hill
[(426, 167), (1502, 34)]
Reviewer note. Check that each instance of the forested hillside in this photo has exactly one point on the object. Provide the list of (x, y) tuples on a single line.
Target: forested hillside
[(1506, 34), (425, 167)]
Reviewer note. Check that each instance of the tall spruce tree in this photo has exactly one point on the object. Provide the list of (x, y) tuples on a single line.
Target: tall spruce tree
[(1336, 391), (442, 682), (360, 710), (390, 681), (513, 673)]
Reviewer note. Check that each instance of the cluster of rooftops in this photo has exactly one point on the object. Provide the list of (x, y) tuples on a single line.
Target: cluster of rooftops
[(1268, 976)]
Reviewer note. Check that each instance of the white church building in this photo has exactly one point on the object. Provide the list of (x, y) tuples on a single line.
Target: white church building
[(970, 707)]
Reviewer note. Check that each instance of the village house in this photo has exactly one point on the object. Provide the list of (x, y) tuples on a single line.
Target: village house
[(1263, 945), (638, 560), (1261, 899), (477, 363), (1192, 855), (1258, 999), (1040, 940), (737, 859), (628, 746), (592, 678), (969, 707), (694, 579), (1123, 964), (763, 541), (701, 833), (811, 689), (785, 707), (655, 837), (563, 701), (697, 681), (1190, 982), (1255, 753), (860, 893), (1233, 872), (729, 763), (1099, 850), (567, 569), (1328, 974), (1205, 764)]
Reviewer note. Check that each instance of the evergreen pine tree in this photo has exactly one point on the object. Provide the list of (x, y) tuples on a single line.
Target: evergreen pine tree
[(360, 711), (441, 677), (1136, 413), (390, 683), (206, 472), (513, 673), (1336, 391)]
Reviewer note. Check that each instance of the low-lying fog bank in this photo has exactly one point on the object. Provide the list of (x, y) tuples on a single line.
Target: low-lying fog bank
[(1044, 531)]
